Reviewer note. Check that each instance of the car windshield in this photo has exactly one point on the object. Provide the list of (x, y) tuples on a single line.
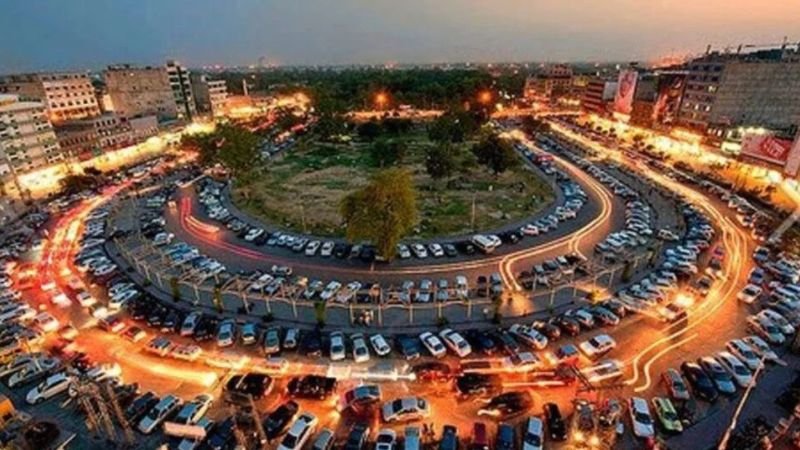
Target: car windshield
[(642, 417), (533, 440), (397, 405), (337, 349), (289, 441)]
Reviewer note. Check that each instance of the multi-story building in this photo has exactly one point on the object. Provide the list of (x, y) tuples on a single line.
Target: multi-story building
[(87, 138), (726, 90), (66, 95), (140, 91), (550, 82), (211, 96), (27, 140), (181, 85), (597, 95)]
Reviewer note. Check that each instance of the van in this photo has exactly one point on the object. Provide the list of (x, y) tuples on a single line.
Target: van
[(484, 243)]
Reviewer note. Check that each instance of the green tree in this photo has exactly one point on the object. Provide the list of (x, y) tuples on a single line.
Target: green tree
[(440, 160), (383, 211), (495, 153), (233, 146), (533, 126), (75, 183), (369, 130), (388, 152)]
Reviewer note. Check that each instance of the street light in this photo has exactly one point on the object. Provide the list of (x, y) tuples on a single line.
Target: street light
[(485, 97), (381, 99)]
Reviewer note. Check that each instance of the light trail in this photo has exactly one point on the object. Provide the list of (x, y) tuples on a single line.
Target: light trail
[(658, 355), (734, 240)]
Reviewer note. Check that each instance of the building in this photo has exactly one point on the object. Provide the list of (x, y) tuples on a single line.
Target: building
[(181, 85), (143, 127), (550, 82), (756, 89), (597, 95), (27, 140), (140, 91), (211, 96), (66, 95), (84, 139)]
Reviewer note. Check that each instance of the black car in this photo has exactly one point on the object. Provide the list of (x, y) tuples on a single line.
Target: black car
[(171, 322), (341, 250), (702, 384), (205, 330), (256, 385), (450, 250), (568, 325), (357, 437), (508, 404), (311, 343), (408, 347), (550, 330), (139, 407), (475, 384), (449, 438), (556, 428), (156, 317), (312, 386), (481, 342), (278, 421), (506, 341), (221, 436)]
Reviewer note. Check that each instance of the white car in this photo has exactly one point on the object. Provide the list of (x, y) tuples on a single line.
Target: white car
[(190, 323), (433, 344), (226, 333), (641, 419), (300, 432), (419, 251), (337, 351), (533, 439), (744, 353), (403, 252), (738, 370), (312, 247), (780, 321), (327, 249), (360, 349), (406, 408), (379, 345), (193, 411), (85, 299), (528, 335), (46, 322), (158, 413), (119, 300), (598, 346), (455, 342), (436, 250), (386, 440), (761, 348), (749, 294), (330, 290), (104, 371), (766, 329), (53, 385)]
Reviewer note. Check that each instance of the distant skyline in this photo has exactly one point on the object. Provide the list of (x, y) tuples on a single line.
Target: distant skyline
[(90, 34)]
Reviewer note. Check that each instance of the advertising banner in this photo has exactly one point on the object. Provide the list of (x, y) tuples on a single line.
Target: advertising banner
[(766, 148), (626, 87)]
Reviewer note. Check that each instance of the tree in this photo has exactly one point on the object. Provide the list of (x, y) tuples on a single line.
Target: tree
[(440, 160), (72, 184), (370, 130), (495, 153), (383, 211), (388, 152), (233, 146), (533, 126)]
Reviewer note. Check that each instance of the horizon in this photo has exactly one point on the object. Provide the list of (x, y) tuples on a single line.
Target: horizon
[(46, 36)]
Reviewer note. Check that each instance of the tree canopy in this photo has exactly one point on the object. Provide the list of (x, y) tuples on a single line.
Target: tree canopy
[(383, 211), (72, 184), (388, 152), (495, 153), (232, 146), (533, 126), (440, 160)]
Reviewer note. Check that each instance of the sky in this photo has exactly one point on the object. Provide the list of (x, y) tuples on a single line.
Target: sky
[(90, 34)]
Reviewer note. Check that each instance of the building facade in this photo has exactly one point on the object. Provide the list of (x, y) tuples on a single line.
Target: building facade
[(181, 85), (66, 95), (27, 140), (597, 95), (551, 81), (760, 88), (211, 96), (87, 138), (140, 91)]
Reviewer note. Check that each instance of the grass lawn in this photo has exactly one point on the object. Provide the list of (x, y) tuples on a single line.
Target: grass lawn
[(301, 190)]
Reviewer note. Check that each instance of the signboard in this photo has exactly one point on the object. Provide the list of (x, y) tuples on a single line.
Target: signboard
[(766, 148), (793, 161), (623, 101), (184, 431)]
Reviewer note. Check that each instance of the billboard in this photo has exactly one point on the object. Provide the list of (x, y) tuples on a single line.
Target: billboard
[(766, 147), (626, 87)]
